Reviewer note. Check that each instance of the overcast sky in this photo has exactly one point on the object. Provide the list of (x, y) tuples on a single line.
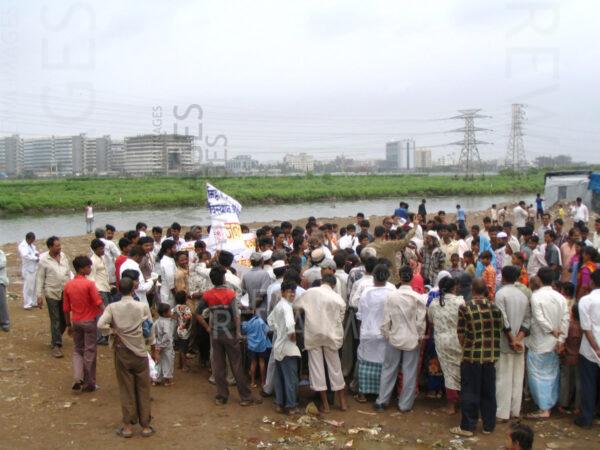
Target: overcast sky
[(323, 77)]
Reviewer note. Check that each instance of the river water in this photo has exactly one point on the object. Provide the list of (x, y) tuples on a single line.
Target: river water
[(13, 228)]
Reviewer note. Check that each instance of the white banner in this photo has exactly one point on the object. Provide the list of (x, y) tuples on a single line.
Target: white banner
[(225, 229)]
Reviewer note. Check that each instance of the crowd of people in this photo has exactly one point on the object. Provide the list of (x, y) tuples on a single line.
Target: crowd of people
[(481, 315)]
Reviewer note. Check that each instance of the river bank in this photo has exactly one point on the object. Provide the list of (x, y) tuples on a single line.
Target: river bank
[(118, 194)]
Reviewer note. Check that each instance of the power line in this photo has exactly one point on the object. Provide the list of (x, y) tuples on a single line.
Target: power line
[(515, 153), (469, 153)]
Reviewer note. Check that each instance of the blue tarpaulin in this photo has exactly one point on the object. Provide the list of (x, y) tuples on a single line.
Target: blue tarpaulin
[(594, 185)]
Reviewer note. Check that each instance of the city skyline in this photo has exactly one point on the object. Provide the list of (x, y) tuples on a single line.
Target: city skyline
[(325, 79)]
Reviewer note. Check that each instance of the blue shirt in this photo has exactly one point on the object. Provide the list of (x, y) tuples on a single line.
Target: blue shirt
[(256, 331), (401, 212), (460, 214), (538, 203)]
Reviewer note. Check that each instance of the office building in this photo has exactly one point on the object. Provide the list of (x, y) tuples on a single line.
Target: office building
[(11, 155), (158, 154), (423, 158), (300, 162), (400, 155)]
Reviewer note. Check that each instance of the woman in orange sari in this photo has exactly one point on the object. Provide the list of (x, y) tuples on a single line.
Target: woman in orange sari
[(588, 265)]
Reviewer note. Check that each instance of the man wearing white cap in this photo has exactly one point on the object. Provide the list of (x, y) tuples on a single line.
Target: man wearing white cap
[(313, 273), (255, 283)]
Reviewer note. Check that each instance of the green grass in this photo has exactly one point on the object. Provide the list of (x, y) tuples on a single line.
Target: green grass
[(18, 196)]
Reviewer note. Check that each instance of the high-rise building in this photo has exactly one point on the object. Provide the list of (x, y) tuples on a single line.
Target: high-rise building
[(11, 155), (300, 162), (400, 155), (116, 158), (423, 158), (158, 154), (55, 155)]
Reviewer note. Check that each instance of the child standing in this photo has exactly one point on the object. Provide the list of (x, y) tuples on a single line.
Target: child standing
[(258, 344), (570, 390), (469, 263), (182, 313), (164, 330), (286, 352), (489, 274)]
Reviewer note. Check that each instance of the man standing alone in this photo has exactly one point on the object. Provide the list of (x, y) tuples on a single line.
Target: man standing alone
[(52, 274), (29, 263)]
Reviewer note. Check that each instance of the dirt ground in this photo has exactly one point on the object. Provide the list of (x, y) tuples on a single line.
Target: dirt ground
[(38, 410)]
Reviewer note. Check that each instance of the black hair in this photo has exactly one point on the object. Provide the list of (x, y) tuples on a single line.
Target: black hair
[(96, 243), (166, 245), (126, 285), (163, 309), (511, 274), (180, 297), (485, 254), (379, 231), (30, 235), (406, 274), (522, 435), (568, 288), (365, 223), (124, 243), (340, 259), (51, 240), (225, 258), (370, 264), (81, 261), (331, 280), (140, 225), (446, 284), (157, 230), (288, 285), (546, 275), (217, 275), (200, 244), (596, 278), (145, 240), (292, 275), (109, 227), (132, 274), (132, 234), (175, 226), (381, 273)]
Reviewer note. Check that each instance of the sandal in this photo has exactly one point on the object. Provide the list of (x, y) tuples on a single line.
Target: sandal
[(539, 415), (148, 433), (460, 432), (251, 402), (124, 434)]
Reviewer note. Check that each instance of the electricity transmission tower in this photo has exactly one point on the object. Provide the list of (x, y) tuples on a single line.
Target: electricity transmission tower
[(515, 153), (469, 154)]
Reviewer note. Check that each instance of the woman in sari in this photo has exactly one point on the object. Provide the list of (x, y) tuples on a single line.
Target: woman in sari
[(433, 371), (588, 265), (443, 313), (371, 349)]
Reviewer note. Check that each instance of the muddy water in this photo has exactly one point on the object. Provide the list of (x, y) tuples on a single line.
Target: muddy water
[(13, 229)]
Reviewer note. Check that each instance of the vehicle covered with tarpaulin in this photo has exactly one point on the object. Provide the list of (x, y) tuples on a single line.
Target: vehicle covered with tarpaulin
[(594, 188), (566, 186)]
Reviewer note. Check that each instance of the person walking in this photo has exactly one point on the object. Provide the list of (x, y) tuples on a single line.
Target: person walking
[(52, 274), (89, 217), (122, 321), (30, 258)]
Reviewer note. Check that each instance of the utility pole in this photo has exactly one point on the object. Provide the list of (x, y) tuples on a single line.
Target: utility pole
[(469, 154), (515, 153)]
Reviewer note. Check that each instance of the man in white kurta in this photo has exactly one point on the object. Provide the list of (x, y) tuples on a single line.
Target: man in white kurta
[(30, 258), (133, 263), (324, 311)]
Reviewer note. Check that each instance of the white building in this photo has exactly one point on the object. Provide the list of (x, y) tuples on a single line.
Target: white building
[(300, 162), (400, 155), (116, 156), (423, 158), (11, 155), (241, 163), (158, 154)]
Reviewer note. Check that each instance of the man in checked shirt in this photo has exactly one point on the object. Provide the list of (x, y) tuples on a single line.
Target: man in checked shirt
[(480, 326)]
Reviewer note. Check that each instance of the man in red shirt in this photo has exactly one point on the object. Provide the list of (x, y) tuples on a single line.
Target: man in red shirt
[(82, 304)]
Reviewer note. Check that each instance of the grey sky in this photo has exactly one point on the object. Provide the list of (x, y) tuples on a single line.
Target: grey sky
[(321, 77)]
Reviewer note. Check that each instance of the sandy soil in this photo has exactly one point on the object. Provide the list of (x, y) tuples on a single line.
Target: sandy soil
[(38, 410)]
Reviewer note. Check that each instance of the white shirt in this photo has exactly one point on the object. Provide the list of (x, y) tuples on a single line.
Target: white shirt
[(348, 241), (167, 279), (589, 317), (324, 313), (580, 213), (89, 212), (341, 287), (359, 288), (520, 216), (29, 257), (596, 240), (370, 313), (404, 318), (282, 322), (537, 260), (549, 312), (179, 244), (144, 285), (111, 251)]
